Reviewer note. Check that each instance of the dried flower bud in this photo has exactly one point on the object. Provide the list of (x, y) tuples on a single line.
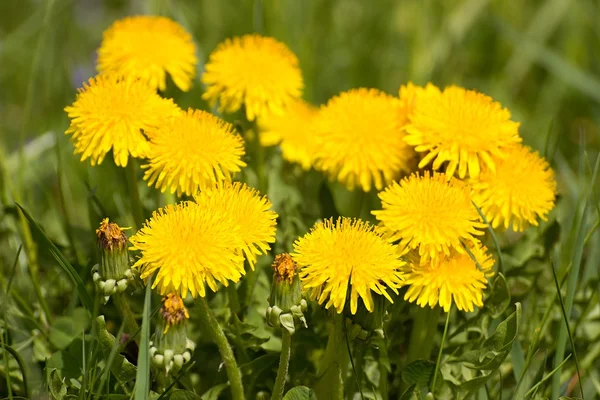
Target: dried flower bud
[(113, 273), (170, 347)]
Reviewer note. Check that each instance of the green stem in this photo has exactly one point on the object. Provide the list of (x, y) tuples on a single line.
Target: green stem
[(134, 194), (131, 324), (334, 366), (439, 357), (284, 362), (218, 336), (422, 334)]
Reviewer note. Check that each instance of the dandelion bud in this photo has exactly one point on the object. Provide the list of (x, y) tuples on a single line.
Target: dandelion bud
[(113, 273), (170, 347), (286, 304)]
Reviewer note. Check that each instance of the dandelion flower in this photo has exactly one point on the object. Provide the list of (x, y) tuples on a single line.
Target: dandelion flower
[(110, 113), (192, 150), (359, 140), (149, 47), (292, 132), (408, 95), (463, 127), (255, 221), (430, 213), (521, 190), (190, 246), (347, 256), (449, 278), (258, 72)]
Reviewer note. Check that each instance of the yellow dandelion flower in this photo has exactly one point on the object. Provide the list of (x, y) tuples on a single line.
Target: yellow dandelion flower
[(192, 150), (521, 190), (430, 213), (408, 95), (292, 132), (190, 246), (347, 256), (453, 278), (463, 127), (110, 114), (255, 221), (149, 47), (359, 140), (258, 72)]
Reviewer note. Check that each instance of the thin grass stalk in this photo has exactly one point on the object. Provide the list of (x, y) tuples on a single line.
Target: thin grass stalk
[(439, 357), (134, 194)]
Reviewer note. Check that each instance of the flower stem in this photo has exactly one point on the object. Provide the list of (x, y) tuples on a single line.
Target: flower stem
[(332, 372), (284, 362), (128, 318), (233, 373), (422, 334), (439, 357), (134, 194)]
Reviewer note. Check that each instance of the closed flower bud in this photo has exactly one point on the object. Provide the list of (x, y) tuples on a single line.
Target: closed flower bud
[(286, 304), (171, 348), (113, 273)]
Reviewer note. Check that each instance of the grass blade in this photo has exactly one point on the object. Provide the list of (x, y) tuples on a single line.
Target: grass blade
[(564, 313), (142, 379), (85, 297), (544, 379)]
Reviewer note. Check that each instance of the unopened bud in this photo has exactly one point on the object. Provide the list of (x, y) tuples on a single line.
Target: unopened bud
[(285, 301)]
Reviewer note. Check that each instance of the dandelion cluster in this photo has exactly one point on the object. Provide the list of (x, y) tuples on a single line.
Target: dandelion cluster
[(437, 157)]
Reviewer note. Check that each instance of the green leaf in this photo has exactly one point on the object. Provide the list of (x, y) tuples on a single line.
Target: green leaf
[(506, 332), (121, 368), (62, 332), (142, 379), (300, 393), (57, 386), (85, 297), (420, 373), (472, 385), (66, 329), (214, 392), (180, 394), (499, 300)]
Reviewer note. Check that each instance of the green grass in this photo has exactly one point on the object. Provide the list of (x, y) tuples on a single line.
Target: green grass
[(538, 58)]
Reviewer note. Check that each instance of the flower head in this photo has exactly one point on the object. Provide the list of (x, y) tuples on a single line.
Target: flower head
[(110, 113), (252, 215), (253, 70), (192, 150), (292, 132), (149, 47), (190, 245), (430, 213), (359, 141), (408, 96), (173, 310), (347, 256), (521, 190), (449, 278), (463, 127)]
